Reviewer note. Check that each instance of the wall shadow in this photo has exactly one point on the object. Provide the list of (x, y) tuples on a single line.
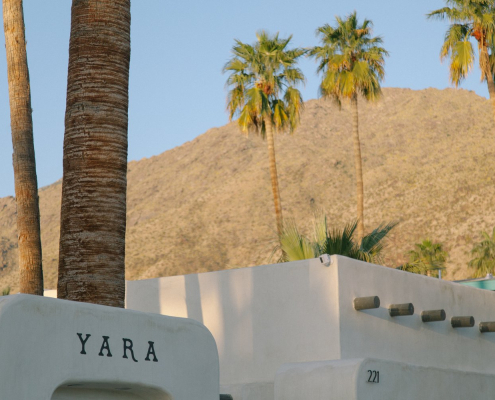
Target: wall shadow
[(193, 297)]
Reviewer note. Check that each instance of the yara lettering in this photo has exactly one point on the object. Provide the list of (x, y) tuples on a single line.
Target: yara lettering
[(128, 351)]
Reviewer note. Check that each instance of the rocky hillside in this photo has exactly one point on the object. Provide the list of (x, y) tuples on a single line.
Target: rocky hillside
[(429, 158)]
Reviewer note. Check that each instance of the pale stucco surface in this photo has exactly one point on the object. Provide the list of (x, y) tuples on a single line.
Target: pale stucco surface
[(264, 317), (373, 333), (352, 379), (40, 353), (261, 317)]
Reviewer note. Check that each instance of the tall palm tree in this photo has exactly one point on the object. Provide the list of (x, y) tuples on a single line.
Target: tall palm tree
[(352, 63), (93, 215), (263, 79), (484, 255), (469, 19), (427, 257), (21, 121), (325, 240)]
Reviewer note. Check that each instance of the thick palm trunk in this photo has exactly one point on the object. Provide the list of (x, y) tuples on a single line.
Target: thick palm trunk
[(488, 74), (93, 215), (359, 169), (273, 174), (26, 182)]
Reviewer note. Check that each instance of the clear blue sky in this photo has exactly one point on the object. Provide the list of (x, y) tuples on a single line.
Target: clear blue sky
[(177, 90)]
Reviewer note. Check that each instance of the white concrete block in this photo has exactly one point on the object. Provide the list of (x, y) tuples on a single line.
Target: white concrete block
[(373, 379), (54, 349)]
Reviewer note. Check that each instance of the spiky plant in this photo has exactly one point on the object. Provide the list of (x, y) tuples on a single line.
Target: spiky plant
[(325, 240)]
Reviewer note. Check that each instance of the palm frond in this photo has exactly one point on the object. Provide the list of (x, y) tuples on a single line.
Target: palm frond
[(333, 240), (261, 83), (350, 59), (427, 256), (375, 238), (470, 19), (293, 244), (484, 255), (461, 61)]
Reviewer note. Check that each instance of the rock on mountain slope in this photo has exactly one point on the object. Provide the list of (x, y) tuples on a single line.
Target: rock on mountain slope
[(206, 205)]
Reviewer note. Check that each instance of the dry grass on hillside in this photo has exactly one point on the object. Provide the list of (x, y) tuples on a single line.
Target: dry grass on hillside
[(206, 205)]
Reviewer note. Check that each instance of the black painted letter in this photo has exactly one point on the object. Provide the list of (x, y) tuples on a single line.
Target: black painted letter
[(83, 342), (151, 350), (105, 346), (128, 347)]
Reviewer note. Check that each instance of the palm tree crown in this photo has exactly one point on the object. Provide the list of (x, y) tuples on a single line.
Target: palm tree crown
[(351, 60), (262, 78), (469, 19), (484, 255), (427, 257)]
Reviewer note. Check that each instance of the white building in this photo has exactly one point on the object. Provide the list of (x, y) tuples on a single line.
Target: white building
[(290, 331)]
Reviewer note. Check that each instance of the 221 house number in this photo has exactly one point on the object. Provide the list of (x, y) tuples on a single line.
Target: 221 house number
[(374, 376)]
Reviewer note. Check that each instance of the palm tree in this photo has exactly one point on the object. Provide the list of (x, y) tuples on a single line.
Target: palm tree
[(352, 63), (325, 240), (413, 268), (93, 215), (263, 95), (426, 258), (484, 255), (21, 121), (469, 19)]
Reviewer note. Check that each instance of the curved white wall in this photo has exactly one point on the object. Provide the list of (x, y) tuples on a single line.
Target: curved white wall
[(54, 349)]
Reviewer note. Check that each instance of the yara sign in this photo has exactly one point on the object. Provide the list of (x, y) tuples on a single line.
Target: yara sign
[(105, 347)]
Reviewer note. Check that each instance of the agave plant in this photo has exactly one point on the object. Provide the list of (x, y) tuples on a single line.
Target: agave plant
[(325, 240)]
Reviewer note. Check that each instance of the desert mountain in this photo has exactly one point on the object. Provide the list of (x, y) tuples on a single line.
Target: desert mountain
[(428, 155)]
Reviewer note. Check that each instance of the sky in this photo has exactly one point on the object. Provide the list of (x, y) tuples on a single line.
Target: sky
[(178, 49)]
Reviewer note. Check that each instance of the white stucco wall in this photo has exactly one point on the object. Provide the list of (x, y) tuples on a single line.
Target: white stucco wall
[(373, 333), (356, 379), (263, 317), (42, 357)]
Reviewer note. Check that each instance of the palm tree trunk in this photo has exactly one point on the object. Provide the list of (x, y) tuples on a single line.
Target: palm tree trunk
[(93, 215), (273, 174), (491, 91), (26, 181), (488, 73), (359, 169)]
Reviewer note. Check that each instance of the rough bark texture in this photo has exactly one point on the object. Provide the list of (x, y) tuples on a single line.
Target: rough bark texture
[(273, 174), (488, 74), (359, 169), (26, 182), (93, 215)]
